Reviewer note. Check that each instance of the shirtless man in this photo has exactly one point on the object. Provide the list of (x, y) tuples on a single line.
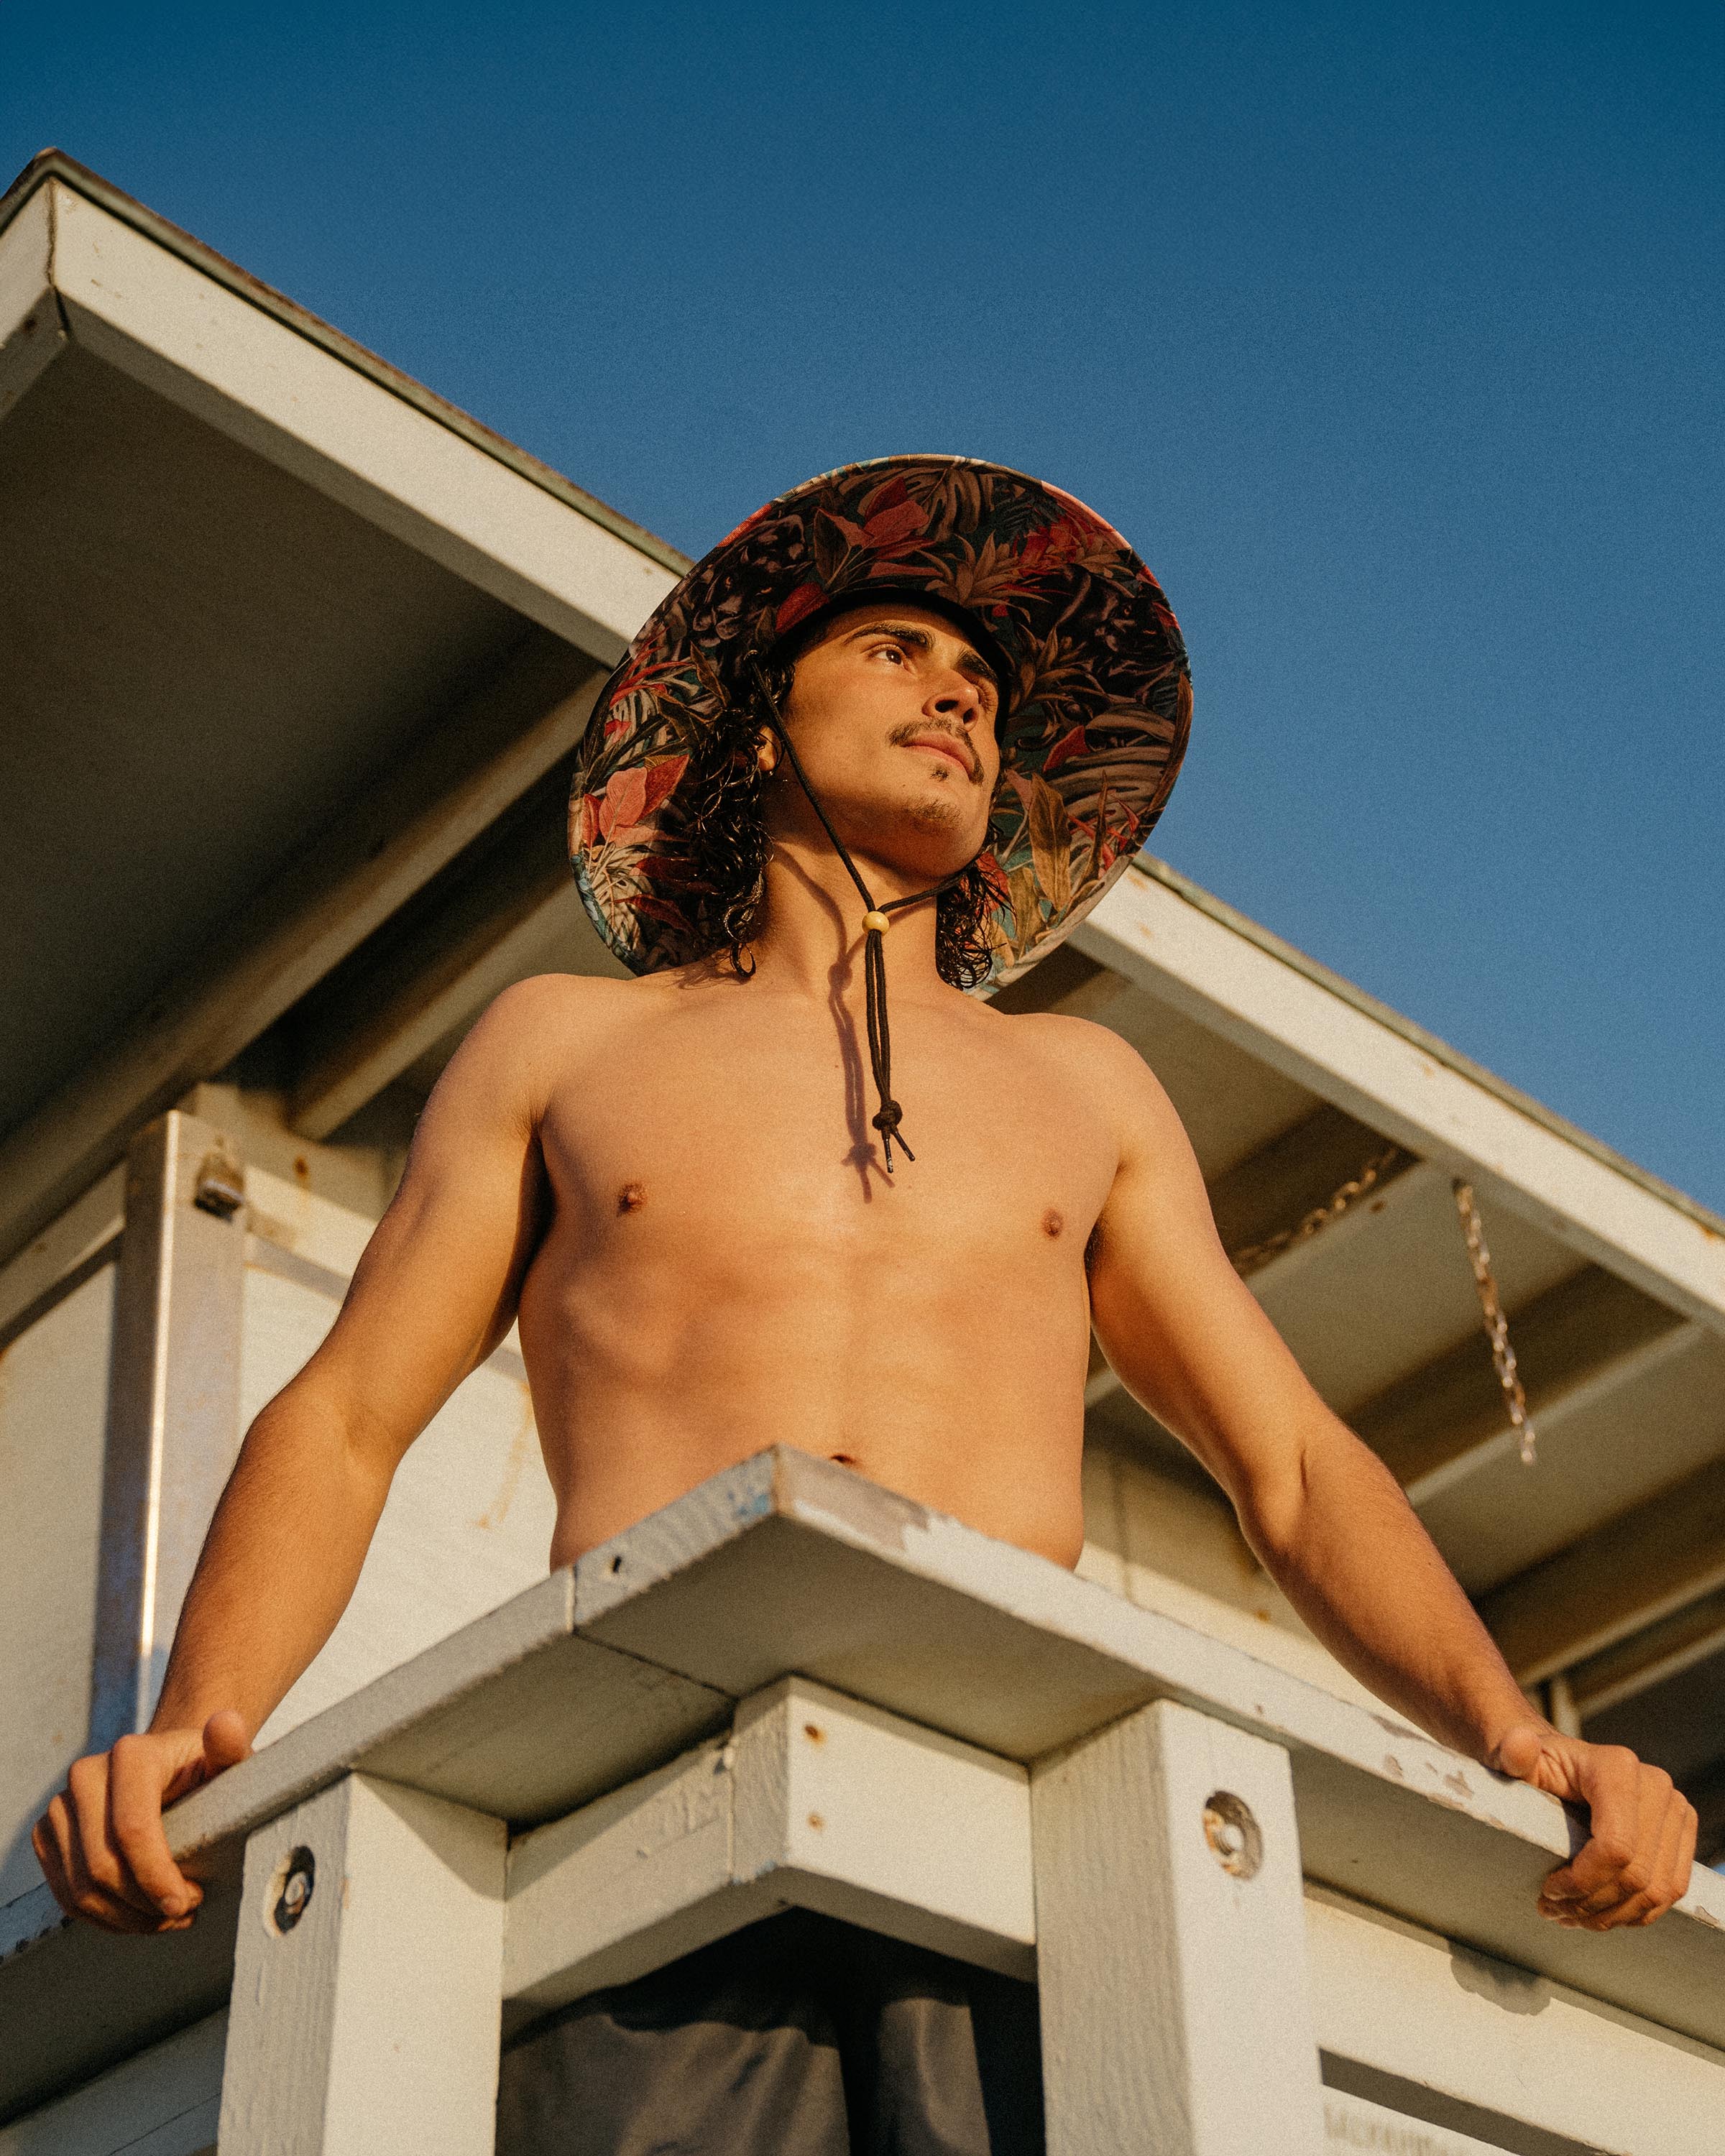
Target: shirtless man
[(673, 1182)]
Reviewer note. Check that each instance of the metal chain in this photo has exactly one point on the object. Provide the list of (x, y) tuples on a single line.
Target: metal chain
[(1503, 1356), (1255, 1254)]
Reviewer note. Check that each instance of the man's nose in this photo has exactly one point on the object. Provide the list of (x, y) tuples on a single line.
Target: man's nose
[(959, 698)]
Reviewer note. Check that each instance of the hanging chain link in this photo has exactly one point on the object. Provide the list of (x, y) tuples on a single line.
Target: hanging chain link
[(1503, 1356), (1255, 1254)]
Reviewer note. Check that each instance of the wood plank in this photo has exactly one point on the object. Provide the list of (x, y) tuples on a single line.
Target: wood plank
[(871, 1819), (307, 918), (1629, 1573), (790, 1564), (1296, 1185), (173, 1407), (163, 2103), (234, 364), (1194, 953), (365, 2015), (1013, 1654), (625, 1885), (1647, 1658), (1407, 2003), (511, 1706), (1354, 2122), (1170, 1952), (75, 2001), (1580, 1340), (90, 1223), (1271, 1194), (811, 1800), (510, 1715), (505, 903)]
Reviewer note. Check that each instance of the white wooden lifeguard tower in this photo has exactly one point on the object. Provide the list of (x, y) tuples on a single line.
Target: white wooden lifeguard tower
[(295, 656)]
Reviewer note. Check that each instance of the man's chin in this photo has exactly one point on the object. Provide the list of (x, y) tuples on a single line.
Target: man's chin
[(939, 840)]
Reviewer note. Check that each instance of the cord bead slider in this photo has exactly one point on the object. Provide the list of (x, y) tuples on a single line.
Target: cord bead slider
[(881, 923)]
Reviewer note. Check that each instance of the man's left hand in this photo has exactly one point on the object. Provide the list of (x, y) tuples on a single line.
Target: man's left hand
[(1641, 1845)]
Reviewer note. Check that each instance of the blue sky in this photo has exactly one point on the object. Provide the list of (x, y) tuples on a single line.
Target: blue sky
[(1391, 338)]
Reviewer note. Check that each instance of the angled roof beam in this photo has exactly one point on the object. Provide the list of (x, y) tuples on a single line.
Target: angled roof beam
[(1645, 1565), (495, 913), (1666, 1649), (1574, 1344), (1286, 1193), (79, 261), (1189, 949), (1274, 1208), (460, 777)]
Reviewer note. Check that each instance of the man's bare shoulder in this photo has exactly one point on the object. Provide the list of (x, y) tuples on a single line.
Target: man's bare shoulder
[(529, 1036), (522, 1011), (1093, 1057)]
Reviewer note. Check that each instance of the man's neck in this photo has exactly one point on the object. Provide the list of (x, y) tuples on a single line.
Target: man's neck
[(811, 936)]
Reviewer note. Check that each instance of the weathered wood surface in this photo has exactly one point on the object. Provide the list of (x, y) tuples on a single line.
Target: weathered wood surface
[(810, 1800), (165, 2102), (1171, 1942), (1374, 2129), (75, 2001), (885, 1824), (1416, 2008), (367, 2017), (789, 1564)]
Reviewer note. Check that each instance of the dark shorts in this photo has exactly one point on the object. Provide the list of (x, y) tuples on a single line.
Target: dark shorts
[(798, 2036)]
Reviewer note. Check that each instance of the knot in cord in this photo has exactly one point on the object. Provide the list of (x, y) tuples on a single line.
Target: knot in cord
[(889, 1115)]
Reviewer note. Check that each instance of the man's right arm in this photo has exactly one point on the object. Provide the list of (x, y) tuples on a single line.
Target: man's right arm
[(433, 1294)]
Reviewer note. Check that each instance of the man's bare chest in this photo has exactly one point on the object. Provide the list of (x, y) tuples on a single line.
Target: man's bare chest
[(756, 1123)]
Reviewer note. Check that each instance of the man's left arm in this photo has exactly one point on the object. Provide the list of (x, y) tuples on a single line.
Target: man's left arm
[(1329, 1523)]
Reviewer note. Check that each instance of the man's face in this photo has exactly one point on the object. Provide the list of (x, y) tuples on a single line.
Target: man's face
[(892, 711)]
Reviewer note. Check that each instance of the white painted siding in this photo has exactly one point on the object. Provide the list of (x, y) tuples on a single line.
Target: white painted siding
[(54, 1399)]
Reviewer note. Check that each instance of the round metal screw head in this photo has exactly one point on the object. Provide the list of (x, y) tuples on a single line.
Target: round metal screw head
[(1235, 1839), (295, 1882)]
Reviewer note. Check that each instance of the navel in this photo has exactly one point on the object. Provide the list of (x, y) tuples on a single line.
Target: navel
[(631, 1198), (1052, 1222)]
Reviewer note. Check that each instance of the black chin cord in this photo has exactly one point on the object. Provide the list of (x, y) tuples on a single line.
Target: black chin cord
[(876, 920)]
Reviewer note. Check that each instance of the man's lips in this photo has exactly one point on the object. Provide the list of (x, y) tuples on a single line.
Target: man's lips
[(946, 745)]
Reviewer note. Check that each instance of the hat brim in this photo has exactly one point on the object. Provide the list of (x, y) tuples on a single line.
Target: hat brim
[(1095, 724)]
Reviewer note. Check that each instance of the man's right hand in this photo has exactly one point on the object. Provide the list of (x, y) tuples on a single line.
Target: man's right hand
[(100, 1842)]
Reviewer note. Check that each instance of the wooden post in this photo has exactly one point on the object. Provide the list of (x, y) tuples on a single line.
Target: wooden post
[(173, 1404), (1171, 1943), (368, 1979)]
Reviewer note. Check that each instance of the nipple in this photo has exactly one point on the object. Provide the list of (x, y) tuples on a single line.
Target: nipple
[(1052, 1221), (631, 1198)]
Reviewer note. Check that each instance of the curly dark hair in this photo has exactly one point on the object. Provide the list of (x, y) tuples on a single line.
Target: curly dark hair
[(721, 806)]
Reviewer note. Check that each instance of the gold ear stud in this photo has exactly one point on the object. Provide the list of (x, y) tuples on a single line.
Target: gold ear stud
[(879, 922)]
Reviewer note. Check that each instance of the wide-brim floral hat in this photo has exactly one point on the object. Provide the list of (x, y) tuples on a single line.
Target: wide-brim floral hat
[(1097, 705)]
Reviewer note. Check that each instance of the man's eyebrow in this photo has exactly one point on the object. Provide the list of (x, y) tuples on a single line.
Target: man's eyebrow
[(972, 661), (902, 631)]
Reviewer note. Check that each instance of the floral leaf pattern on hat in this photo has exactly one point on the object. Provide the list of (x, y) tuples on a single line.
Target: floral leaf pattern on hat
[(1092, 742)]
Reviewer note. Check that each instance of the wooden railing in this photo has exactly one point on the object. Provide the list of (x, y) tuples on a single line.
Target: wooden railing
[(1262, 1920)]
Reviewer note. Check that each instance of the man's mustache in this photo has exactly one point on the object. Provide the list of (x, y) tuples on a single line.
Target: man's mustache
[(904, 737)]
